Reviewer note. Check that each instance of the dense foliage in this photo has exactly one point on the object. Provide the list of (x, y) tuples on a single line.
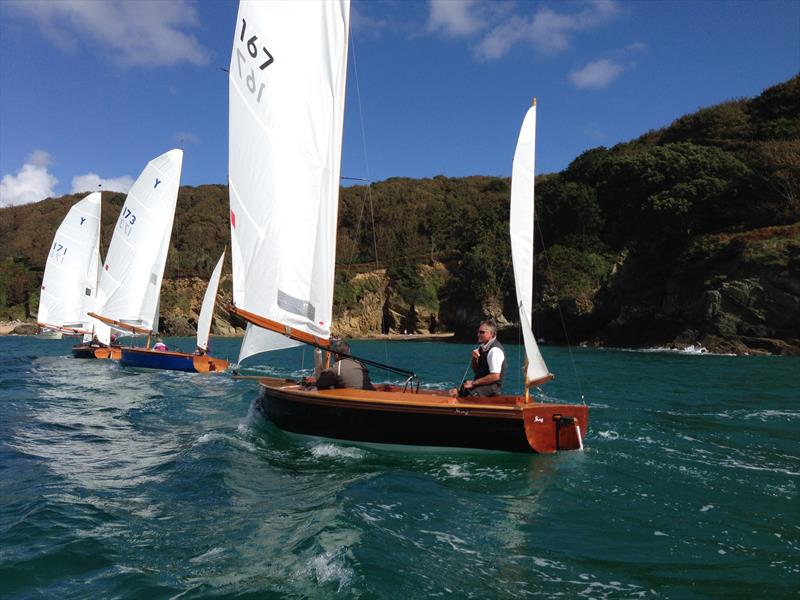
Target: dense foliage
[(618, 222)]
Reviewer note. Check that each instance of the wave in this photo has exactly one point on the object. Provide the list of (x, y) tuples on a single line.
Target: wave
[(692, 350)]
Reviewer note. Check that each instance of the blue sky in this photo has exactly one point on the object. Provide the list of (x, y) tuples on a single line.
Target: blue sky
[(90, 90)]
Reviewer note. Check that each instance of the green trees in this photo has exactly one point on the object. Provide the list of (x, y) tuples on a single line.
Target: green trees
[(614, 223)]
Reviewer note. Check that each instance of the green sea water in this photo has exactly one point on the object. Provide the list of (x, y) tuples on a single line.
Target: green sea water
[(123, 484)]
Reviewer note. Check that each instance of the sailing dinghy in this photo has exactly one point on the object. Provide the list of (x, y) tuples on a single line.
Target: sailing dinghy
[(287, 84), (200, 361), (130, 281), (69, 285)]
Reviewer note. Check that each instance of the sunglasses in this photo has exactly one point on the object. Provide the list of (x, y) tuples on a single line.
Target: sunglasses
[(482, 331)]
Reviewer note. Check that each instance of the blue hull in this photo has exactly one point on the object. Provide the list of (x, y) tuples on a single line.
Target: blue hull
[(150, 359)]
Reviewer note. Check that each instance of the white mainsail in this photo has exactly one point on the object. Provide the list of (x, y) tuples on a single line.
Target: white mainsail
[(522, 215), (130, 283), (207, 310), (69, 285), (287, 88)]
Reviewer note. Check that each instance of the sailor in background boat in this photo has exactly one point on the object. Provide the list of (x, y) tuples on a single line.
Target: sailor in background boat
[(160, 346), (488, 362), (346, 373)]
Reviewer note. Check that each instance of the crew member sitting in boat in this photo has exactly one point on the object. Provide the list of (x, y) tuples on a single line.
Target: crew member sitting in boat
[(160, 346), (346, 373), (488, 362)]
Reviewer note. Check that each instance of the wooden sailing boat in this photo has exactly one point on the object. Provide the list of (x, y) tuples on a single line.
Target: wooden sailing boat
[(130, 281), (287, 82), (69, 285), (198, 362)]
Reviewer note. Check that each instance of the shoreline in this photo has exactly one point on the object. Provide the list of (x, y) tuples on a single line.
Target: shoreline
[(710, 345)]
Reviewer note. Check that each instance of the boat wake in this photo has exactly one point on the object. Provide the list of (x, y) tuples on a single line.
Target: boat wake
[(331, 450)]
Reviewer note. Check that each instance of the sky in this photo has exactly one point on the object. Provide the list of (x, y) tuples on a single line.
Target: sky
[(91, 90)]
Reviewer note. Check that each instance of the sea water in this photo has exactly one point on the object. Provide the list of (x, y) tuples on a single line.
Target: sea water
[(117, 483)]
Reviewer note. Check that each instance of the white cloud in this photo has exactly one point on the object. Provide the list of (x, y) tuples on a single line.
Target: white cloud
[(499, 40), (455, 18), (597, 74), (551, 32), (130, 33), (92, 182), (364, 24), (31, 183), (548, 31)]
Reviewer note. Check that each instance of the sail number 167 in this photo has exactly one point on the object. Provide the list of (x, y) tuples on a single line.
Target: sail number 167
[(252, 50)]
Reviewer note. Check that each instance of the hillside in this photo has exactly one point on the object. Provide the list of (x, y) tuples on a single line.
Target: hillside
[(687, 235)]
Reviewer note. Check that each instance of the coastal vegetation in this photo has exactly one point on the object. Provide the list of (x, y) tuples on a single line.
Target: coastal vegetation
[(689, 234)]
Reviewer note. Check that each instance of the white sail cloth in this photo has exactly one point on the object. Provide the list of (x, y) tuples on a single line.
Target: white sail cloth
[(69, 285), (521, 227), (207, 309), (130, 282), (287, 89)]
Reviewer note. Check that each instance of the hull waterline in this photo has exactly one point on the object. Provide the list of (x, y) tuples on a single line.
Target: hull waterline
[(172, 361), (390, 417), (96, 352)]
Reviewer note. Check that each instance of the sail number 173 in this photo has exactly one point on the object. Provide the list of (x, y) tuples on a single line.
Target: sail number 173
[(253, 51)]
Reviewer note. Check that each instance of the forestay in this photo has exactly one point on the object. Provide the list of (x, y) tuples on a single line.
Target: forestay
[(69, 285), (287, 88), (522, 221), (130, 283), (207, 310)]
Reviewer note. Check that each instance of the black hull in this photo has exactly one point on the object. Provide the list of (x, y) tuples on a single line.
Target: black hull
[(394, 427)]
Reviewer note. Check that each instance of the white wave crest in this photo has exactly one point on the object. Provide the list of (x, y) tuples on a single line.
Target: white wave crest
[(334, 451), (330, 566)]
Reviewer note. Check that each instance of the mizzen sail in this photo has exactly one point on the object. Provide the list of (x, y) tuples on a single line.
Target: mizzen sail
[(287, 89), (130, 283), (522, 219)]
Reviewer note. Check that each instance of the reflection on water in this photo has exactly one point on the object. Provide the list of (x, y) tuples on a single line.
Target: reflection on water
[(163, 484)]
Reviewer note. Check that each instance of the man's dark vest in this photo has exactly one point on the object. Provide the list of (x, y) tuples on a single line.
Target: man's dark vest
[(482, 368)]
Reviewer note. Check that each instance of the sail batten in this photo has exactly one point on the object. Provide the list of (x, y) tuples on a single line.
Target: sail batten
[(521, 229), (286, 92)]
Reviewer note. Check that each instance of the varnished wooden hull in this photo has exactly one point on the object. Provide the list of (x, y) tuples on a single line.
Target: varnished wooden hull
[(388, 416), (172, 361), (88, 351)]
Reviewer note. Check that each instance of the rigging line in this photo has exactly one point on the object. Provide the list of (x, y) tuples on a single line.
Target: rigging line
[(366, 164), (364, 143), (560, 312)]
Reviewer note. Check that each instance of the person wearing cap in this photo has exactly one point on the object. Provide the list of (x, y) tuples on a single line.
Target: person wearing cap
[(346, 373)]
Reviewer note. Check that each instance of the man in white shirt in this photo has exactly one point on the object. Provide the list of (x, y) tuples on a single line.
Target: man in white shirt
[(488, 363)]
